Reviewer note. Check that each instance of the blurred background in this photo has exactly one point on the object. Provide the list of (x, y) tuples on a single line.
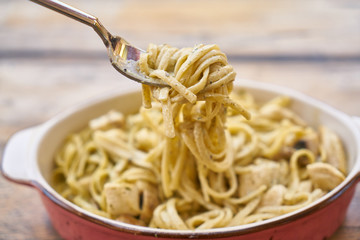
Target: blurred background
[(49, 62)]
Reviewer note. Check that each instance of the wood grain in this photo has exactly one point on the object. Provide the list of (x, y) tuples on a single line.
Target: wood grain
[(261, 27), (49, 63)]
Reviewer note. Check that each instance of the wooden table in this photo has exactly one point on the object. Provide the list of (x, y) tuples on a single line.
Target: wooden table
[(49, 63)]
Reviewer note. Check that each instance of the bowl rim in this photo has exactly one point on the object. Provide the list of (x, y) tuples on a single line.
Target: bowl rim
[(39, 182)]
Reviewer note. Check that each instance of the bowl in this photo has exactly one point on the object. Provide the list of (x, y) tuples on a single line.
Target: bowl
[(28, 159)]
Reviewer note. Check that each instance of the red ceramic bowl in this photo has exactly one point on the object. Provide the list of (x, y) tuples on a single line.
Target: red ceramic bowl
[(28, 159)]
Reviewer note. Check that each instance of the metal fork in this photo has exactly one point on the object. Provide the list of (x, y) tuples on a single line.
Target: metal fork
[(123, 56)]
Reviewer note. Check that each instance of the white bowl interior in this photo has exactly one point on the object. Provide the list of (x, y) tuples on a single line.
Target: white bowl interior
[(312, 111), (76, 119)]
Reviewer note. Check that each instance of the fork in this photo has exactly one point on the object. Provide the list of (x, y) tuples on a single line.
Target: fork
[(123, 56)]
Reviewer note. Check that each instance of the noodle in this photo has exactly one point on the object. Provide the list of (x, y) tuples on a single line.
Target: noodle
[(190, 158)]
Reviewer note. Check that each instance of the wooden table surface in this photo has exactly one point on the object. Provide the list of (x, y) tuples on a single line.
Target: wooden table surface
[(49, 62)]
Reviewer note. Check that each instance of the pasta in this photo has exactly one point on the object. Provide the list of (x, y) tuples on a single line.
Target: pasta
[(191, 158)]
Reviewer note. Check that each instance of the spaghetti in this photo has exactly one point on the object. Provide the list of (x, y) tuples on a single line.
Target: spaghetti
[(190, 158)]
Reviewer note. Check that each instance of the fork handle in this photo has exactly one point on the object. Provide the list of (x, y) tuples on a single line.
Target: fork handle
[(78, 15)]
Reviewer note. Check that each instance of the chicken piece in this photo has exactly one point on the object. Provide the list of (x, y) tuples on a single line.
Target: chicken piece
[(283, 174), (324, 175), (137, 199), (125, 218), (274, 196), (263, 172), (309, 141), (332, 146), (122, 198), (111, 119), (146, 139), (305, 186), (149, 200)]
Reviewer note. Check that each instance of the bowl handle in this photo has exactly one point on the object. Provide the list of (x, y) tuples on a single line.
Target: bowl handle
[(15, 159)]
